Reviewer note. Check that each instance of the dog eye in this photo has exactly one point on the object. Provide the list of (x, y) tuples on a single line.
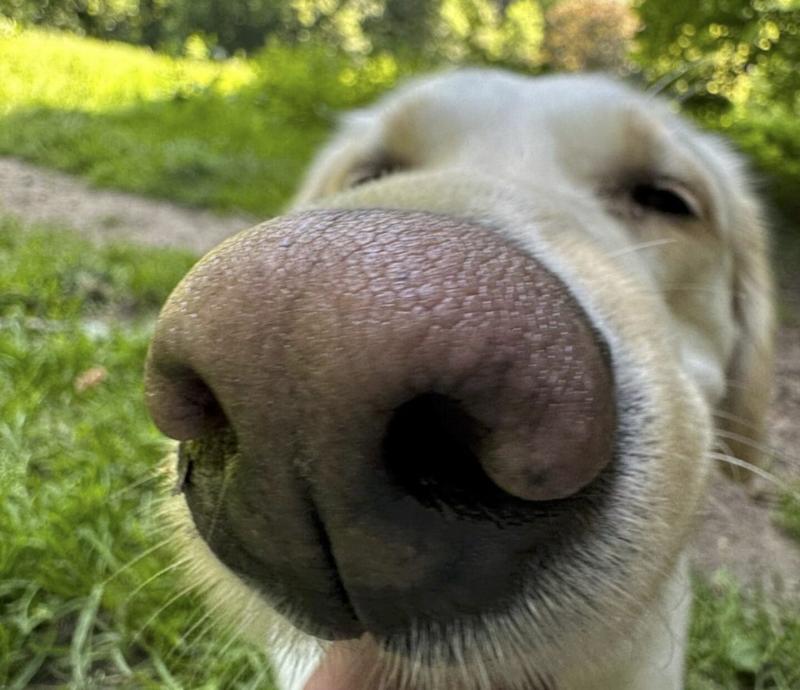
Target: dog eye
[(368, 172), (664, 198)]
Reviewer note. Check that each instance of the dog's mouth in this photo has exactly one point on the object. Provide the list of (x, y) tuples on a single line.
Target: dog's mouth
[(455, 546), (345, 667), (365, 664)]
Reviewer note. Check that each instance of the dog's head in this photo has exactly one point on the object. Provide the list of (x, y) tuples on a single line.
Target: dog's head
[(460, 403)]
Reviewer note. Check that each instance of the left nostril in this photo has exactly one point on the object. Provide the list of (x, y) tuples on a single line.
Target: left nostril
[(432, 449), (182, 405)]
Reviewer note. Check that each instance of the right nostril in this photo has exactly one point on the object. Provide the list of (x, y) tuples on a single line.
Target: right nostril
[(432, 449), (181, 403)]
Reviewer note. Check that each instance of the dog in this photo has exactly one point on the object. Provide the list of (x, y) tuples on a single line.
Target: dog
[(446, 425)]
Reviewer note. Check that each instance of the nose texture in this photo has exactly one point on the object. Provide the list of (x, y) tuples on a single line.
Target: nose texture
[(414, 406)]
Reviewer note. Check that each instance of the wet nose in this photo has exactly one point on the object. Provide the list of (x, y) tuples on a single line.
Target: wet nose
[(380, 411)]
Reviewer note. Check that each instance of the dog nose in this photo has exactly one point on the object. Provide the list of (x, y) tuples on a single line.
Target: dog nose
[(409, 405)]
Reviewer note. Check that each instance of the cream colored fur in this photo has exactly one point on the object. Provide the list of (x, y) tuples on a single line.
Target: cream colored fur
[(683, 302)]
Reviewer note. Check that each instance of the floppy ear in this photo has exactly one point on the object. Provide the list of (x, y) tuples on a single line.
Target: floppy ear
[(742, 413)]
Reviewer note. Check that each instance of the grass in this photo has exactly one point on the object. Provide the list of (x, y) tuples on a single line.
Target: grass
[(224, 135), (94, 76), (788, 513), (78, 497), (77, 483), (742, 641)]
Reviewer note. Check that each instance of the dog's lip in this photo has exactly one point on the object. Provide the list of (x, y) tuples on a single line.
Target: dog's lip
[(350, 665), (335, 670)]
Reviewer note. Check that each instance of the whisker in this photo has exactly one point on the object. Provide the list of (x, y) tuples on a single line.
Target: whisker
[(729, 417), (205, 617), (750, 467), (152, 475), (642, 245), (172, 600), (236, 631), (172, 566), (674, 75), (750, 443), (212, 647), (219, 506), (136, 559)]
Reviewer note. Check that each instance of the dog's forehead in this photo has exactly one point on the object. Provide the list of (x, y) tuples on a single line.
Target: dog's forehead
[(487, 99), (591, 119)]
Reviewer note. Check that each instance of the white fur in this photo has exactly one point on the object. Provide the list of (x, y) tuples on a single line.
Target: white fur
[(684, 304)]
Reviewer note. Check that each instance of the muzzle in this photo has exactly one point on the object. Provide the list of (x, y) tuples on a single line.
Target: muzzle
[(386, 417)]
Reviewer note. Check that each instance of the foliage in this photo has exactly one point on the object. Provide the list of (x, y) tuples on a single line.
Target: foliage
[(484, 30), (481, 30), (107, 18), (717, 48), (771, 138), (589, 35), (236, 24), (357, 26), (233, 24), (403, 25)]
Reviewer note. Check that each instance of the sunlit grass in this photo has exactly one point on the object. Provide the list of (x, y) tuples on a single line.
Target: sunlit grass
[(49, 69), (232, 135)]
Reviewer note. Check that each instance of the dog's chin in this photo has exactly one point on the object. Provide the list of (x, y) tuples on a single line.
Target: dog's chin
[(367, 664), (512, 648)]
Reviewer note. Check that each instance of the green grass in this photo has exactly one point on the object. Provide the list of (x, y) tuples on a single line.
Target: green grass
[(48, 69), (225, 135), (788, 513), (77, 483), (742, 641), (78, 497)]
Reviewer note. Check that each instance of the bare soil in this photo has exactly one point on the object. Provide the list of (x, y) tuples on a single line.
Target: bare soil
[(737, 532), (37, 195)]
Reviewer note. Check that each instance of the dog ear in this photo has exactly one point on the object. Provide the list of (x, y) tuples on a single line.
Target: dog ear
[(742, 413)]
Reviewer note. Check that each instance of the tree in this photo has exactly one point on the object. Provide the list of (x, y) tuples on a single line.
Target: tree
[(509, 33), (589, 35), (722, 52)]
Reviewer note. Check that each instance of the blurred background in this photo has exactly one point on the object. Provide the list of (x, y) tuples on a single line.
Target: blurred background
[(244, 87), (136, 133)]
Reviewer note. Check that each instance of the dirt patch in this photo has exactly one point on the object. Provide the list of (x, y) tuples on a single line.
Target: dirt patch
[(737, 532), (37, 195)]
